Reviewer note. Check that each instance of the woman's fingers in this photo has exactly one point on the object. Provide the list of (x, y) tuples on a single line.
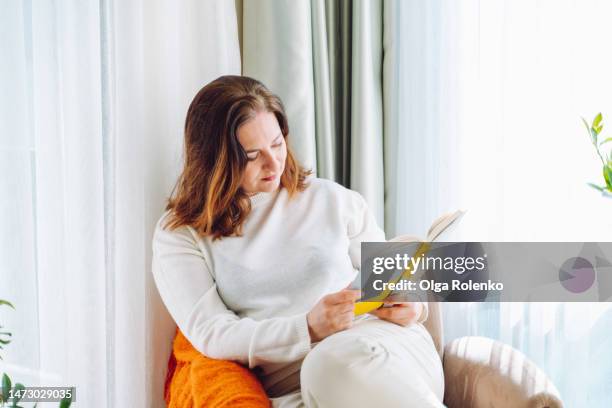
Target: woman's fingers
[(399, 313), (344, 296), (333, 312)]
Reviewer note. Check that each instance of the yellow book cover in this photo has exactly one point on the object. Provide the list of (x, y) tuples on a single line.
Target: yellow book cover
[(441, 226)]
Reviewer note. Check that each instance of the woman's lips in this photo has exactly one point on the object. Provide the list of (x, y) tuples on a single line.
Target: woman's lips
[(271, 178)]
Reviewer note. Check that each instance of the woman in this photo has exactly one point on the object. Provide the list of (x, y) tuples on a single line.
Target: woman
[(254, 255)]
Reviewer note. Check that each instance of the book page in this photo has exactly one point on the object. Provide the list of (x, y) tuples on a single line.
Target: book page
[(443, 225)]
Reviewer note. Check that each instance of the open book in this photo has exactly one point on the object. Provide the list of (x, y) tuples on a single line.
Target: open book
[(438, 230)]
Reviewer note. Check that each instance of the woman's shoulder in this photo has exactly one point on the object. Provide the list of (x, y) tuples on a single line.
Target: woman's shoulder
[(337, 191), (321, 185), (166, 234), (163, 223)]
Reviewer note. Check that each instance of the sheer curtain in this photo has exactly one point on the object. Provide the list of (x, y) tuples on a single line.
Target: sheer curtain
[(485, 99), (94, 98)]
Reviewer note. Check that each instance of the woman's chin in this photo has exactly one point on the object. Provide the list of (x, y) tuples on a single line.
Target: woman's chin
[(269, 186)]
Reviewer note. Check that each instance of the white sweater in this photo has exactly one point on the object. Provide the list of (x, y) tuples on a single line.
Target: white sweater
[(246, 298)]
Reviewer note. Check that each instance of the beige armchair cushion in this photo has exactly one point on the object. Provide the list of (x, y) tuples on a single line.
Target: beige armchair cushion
[(480, 372)]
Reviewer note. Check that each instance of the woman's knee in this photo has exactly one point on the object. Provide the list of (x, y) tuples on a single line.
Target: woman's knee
[(346, 370), (342, 354), (335, 371)]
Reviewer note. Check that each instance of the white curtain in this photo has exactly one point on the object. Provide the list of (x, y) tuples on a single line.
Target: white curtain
[(483, 101), (91, 120), (482, 111)]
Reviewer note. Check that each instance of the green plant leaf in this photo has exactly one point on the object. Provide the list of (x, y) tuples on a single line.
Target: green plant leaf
[(588, 128), (605, 141), (607, 173), (16, 388), (594, 136), (596, 187), (597, 120), (65, 402), (586, 125), (6, 302), (6, 385)]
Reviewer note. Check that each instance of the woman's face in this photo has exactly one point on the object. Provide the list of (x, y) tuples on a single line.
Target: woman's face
[(263, 141)]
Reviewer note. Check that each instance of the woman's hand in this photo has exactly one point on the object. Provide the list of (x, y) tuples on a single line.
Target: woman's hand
[(333, 313), (402, 313)]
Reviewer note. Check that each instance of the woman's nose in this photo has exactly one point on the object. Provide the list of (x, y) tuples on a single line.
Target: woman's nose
[(271, 161)]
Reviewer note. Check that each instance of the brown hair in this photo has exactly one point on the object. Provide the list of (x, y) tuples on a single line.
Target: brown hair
[(207, 195)]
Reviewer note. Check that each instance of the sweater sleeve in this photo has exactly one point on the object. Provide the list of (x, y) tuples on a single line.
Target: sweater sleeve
[(188, 290), (362, 227)]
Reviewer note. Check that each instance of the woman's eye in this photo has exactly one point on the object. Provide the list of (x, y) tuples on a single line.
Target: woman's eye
[(277, 145), (252, 158)]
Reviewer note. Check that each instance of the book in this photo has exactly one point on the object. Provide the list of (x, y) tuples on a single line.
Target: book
[(440, 228)]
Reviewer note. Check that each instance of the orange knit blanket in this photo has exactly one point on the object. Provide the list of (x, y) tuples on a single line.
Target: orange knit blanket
[(195, 381)]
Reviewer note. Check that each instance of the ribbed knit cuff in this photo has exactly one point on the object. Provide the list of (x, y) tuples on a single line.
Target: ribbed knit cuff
[(301, 324)]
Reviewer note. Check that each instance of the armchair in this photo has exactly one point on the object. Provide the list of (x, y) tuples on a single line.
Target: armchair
[(481, 372)]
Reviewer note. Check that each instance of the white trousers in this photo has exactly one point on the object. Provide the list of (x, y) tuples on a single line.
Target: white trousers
[(374, 363)]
